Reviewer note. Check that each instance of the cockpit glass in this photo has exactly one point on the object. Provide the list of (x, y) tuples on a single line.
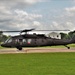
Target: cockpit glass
[(8, 40)]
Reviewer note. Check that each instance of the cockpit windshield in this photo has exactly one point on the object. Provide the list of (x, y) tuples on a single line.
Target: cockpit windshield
[(8, 40)]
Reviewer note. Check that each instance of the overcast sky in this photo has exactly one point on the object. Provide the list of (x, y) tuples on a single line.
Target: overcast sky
[(39, 14)]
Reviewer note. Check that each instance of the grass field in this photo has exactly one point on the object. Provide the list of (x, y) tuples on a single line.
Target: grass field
[(37, 64)]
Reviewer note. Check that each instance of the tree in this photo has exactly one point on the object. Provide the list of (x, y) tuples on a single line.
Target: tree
[(63, 35), (1, 34), (71, 34), (3, 37)]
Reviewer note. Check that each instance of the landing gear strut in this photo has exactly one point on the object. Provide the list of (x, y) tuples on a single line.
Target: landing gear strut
[(67, 46)]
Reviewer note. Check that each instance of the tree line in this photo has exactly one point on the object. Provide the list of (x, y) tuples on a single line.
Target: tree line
[(67, 36)]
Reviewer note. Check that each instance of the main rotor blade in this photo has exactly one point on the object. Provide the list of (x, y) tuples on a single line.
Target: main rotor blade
[(9, 31), (51, 30), (28, 30), (25, 30)]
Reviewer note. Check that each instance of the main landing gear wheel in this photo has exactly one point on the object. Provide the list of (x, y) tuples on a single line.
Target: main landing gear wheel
[(19, 48), (68, 47)]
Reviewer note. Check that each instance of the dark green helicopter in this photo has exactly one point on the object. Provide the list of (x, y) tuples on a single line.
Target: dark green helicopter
[(34, 40)]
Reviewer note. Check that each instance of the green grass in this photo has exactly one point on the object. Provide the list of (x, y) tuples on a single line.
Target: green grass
[(37, 64)]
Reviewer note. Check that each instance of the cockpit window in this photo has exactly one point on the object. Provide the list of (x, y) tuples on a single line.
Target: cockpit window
[(8, 40)]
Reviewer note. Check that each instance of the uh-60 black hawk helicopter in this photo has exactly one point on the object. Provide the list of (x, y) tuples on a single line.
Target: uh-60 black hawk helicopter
[(34, 40)]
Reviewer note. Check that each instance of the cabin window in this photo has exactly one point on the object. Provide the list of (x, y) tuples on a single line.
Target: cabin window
[(29, 41), (20, 40), (24, 40)]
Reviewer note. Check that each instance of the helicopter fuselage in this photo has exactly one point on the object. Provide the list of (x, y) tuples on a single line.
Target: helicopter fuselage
[(29, 40)]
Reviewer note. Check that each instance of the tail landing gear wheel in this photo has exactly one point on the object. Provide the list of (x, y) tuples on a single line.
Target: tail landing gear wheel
[(67, 46)]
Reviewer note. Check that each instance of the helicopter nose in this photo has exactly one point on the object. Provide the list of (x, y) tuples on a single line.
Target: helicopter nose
[(3, 45)]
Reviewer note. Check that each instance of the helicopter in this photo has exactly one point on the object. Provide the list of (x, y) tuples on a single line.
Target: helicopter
[(34, 40)]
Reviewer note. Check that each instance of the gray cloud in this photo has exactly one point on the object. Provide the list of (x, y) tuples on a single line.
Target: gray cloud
[(18, 3), (62, 19), (12, 17)]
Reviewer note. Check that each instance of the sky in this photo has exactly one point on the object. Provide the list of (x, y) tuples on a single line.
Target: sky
[(38, 14)]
